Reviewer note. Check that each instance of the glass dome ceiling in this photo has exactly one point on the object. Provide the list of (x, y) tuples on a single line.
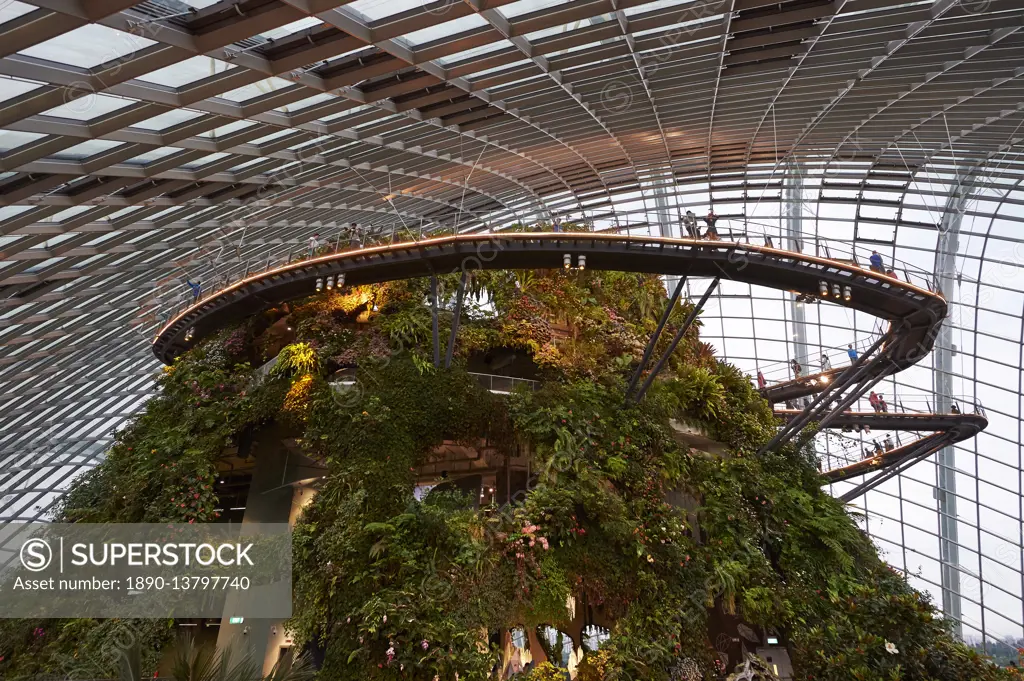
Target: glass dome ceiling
[(144, 144)]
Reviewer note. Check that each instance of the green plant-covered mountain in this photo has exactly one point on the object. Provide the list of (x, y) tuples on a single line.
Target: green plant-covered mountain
[(620, 523)]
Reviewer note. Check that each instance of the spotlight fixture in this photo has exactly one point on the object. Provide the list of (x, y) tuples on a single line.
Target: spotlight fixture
[(341, 280), (188, 334), (836, 293), (823, 288), (847, 293), (567, 261), (330, 283), (581, 262), (319, 283)]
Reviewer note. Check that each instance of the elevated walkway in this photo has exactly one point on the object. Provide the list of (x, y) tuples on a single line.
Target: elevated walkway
[(948, 429), (917, 310)]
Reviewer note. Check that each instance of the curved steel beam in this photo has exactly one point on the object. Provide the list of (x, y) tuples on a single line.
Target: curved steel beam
[(920, 311)]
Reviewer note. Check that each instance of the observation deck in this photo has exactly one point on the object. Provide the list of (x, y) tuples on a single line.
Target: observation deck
[(914, 312)]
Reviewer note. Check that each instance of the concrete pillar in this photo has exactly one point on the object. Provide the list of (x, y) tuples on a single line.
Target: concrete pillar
[(792, 234), (942, 384), (274, 497)]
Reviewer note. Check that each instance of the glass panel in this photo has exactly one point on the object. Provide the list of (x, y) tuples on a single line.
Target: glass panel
[(188, 71), (13, 10), (15, 87), (88, 46), (167, 119), (86, 149), (89, 107), (12, 139), (257, 89)]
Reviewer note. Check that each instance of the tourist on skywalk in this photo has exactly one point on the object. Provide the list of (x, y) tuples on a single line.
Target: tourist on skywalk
[(556, 225), (712, 230), (891, 273), (954, 409), (314, 244), (876, 263), (711, 219), (768, 241), (353, 236), (888, 443), (852, 353), (197, 289), (796, 367), (690, 222), (826, 364), (873, 401), (761, 383), (882, 406)]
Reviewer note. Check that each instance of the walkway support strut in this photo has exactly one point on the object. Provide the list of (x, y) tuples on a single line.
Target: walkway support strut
[(455, 320), (433, 319), (649, 350), (675, 340)]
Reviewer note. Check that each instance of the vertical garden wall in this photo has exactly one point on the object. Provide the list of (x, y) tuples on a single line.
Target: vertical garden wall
[(620, 525)]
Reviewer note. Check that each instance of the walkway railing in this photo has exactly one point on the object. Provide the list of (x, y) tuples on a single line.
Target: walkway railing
[(504, 384), (846, 252)]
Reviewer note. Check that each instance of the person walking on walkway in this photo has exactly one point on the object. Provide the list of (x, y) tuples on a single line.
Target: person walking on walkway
[(768, 241), (197, 289), (876, 263), (353, 236), (873, 401), (954, 409), (882, 406), (826, 363), (712, 230), (888, 443), (851, 353), (796, 367), (314, 244), (761, 383), (690, 222)]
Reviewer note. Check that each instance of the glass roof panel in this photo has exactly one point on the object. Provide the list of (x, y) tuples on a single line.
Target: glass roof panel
[(153, 155), (476, 52), (228, 129), (373, 10), (14, 9), (448, 28), (516, 9), (188, 71), (660, 4), (12, 139), (89, 107), (13, 87), (307, 102), (256, 89), (86, 149), (167, 119), (199, 162), (64, 215), (294, 27), (88, 46)]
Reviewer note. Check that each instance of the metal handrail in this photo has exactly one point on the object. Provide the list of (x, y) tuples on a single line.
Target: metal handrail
[(497, 383), (822, 247)]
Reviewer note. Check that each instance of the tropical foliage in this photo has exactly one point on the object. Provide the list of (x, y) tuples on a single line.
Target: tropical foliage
[(391, 585)]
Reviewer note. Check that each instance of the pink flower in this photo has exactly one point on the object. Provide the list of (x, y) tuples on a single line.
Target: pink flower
[(543, 542), (424, 644)]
